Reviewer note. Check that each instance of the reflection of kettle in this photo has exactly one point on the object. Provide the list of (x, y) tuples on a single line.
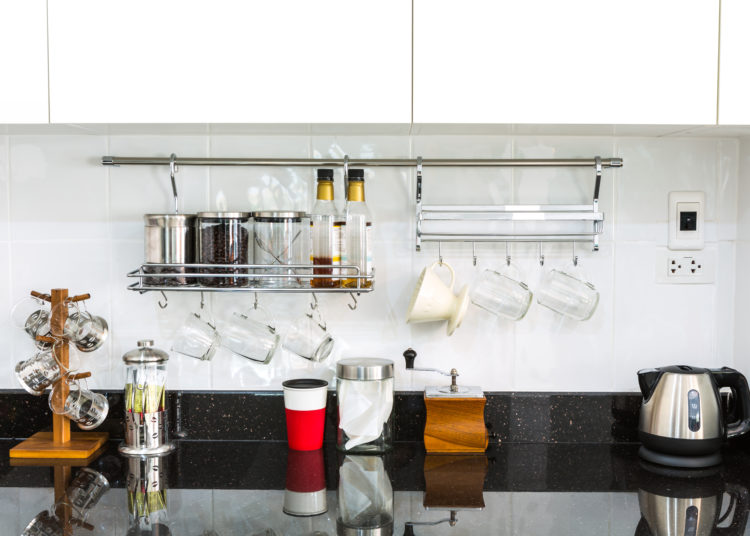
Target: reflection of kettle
[(692, 507), (681, 421)]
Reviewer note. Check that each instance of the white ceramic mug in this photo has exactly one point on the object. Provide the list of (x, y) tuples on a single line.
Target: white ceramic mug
[(433, 300), (502, 294), (569, 294)]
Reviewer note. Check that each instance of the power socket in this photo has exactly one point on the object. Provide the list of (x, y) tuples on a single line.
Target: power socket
[(686, 267)]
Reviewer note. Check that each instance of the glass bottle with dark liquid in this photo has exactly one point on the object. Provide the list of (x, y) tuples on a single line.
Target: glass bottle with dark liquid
[(325, 234)]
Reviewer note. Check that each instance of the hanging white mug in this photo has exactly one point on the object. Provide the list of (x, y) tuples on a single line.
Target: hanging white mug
[(433, 300)]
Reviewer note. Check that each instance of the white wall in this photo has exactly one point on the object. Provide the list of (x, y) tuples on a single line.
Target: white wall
[(67, 221)]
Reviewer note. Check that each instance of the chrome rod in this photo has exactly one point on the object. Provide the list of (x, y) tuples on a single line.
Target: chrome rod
[(137, 287), (455, 237), (363, 162), (507, 208), (513, 216)]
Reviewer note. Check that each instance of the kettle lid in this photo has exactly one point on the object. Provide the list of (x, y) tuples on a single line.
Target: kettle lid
[(684, 369)]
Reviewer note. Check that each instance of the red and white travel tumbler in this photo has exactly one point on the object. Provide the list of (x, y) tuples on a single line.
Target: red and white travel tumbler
[(305, 403)]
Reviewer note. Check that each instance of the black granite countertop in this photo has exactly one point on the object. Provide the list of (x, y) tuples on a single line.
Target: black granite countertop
[(233, 487)]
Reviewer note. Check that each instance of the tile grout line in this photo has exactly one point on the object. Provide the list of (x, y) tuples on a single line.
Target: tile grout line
[(49, 92), (718, 65)]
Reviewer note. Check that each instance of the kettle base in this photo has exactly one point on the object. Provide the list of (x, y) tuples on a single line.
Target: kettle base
[(671, 460)]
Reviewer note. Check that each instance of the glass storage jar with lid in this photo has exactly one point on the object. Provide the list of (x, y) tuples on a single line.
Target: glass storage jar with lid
[(364, 391), (279, 240), (224, 238)]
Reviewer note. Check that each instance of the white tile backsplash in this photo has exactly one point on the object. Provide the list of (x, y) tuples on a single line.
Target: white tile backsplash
[(65, 220)]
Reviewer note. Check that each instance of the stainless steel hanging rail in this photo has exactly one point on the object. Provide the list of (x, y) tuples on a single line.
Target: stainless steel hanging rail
[(363, 162)]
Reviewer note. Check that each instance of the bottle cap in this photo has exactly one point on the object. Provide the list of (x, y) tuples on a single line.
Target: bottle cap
[(357, 175), (325, 174)]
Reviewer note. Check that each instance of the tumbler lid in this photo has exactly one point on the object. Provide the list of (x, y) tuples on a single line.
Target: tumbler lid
[(224, 215), (364, 368), (145, 353)]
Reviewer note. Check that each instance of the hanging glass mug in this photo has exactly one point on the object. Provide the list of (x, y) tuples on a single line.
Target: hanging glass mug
[(309, 337), (39, 372), (32, 315), (82, 406), (88, 332), (256, 340)]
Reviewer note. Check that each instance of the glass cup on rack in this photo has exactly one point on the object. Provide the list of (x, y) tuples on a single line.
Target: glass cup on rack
[(88, 332), (256, 340), (39, 372), (567, 292), (197, 337), (309, 338), (502, 293), (33, 316), (82, 406)]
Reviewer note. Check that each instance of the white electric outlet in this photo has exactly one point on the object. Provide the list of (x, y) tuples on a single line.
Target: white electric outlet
[(686, 267)]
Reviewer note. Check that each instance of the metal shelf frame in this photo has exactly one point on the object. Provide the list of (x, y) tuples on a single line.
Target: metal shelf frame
[(253, 274)]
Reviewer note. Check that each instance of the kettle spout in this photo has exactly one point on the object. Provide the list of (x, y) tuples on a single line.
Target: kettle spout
[(647, 380)]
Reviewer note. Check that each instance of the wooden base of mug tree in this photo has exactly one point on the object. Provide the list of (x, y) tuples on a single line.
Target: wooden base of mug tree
[(60, 443)]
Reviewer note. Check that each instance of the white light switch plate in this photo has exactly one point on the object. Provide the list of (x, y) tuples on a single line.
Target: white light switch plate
[(685, 267), (686, 209)]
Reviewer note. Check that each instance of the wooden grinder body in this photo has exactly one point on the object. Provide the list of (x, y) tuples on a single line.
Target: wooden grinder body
[(455, 425)]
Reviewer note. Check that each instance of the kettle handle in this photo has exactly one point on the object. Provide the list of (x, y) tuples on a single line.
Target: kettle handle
[(737, 526), (728, 377)]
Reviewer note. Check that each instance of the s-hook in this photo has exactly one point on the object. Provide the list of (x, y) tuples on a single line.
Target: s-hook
[(575, 257), (166, 301), (354, 299), (314, 302), (255, 302), (541, 255), (440, 253), (474, 252), (507, 253), (172, 171), (203, 302)]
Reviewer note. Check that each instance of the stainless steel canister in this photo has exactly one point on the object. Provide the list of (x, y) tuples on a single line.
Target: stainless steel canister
[(146, 417), (169, 239)]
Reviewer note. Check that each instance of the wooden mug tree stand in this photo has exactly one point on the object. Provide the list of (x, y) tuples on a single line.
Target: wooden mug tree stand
[(60, 443)]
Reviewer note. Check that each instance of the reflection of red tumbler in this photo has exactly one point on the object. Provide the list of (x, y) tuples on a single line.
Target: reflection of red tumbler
[(305, 493), (305, 403)]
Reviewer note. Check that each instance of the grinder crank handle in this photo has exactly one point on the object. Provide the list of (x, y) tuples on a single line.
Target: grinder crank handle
[(728, 377), (410, 355)]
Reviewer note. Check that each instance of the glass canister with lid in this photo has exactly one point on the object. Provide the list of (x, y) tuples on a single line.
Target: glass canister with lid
[(146, 416), (364, 391), (279, 240), (224, 238)]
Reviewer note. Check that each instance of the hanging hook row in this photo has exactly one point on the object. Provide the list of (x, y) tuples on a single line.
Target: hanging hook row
[(172, 171)]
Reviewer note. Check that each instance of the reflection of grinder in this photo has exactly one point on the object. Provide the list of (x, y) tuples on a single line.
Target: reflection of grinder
[(452, 483), (455, 414)]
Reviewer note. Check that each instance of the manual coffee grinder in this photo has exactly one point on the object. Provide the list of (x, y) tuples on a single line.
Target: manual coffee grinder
[(455, 414)]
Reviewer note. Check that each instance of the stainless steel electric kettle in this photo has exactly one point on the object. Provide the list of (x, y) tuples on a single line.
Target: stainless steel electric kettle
[(682, 422)]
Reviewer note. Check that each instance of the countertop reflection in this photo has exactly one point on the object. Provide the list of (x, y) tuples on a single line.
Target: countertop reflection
[(244, 488)]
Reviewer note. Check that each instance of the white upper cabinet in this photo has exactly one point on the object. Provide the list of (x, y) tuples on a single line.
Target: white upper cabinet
[(23, 61), (575, 61), (734, 75), (230, 61)]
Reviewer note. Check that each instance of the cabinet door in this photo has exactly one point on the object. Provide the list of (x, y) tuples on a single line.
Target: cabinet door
[(575, 61), (734, 75), (23, 61), (269, 61)]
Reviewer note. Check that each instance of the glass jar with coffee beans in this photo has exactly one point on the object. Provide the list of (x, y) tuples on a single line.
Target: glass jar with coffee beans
[(224, 238)]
